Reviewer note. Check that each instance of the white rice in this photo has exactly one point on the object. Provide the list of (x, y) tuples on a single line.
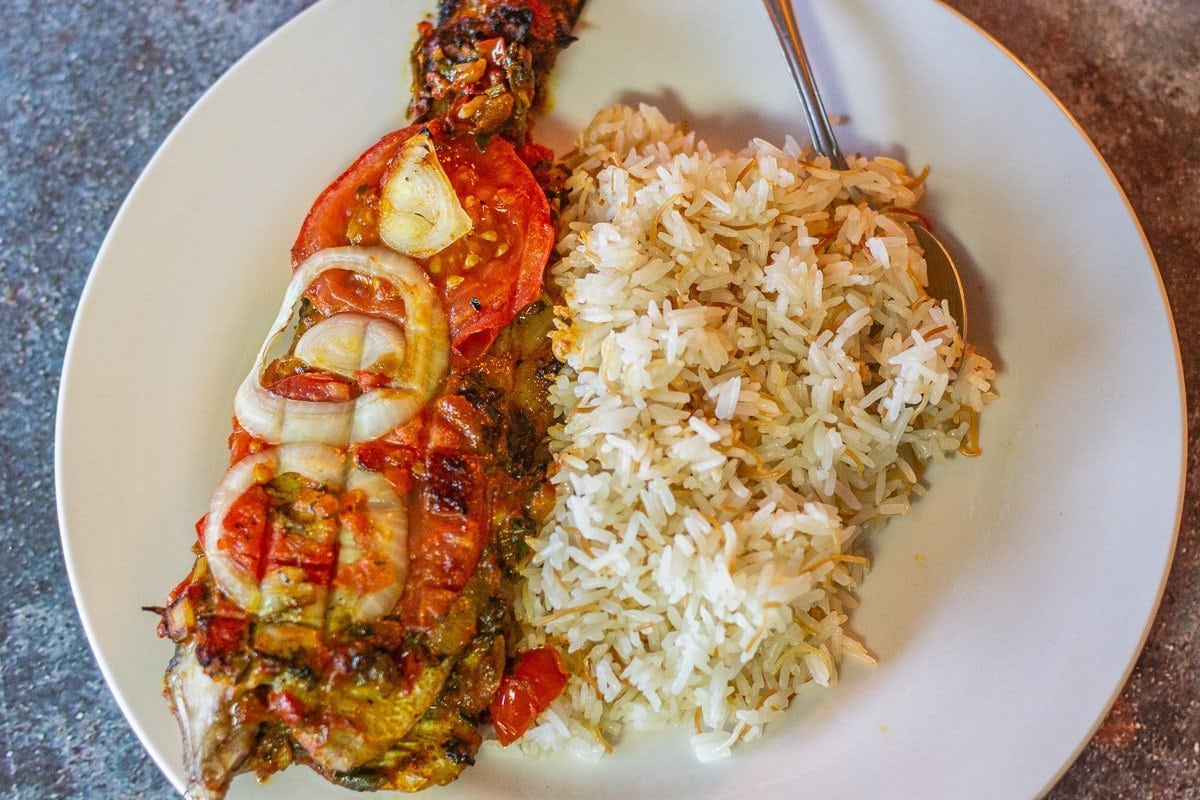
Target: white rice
[(755, 376)]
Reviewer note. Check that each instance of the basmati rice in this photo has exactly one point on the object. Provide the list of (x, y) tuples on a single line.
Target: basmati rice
[(755, 376)]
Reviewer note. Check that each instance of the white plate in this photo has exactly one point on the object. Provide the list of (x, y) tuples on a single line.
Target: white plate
[(1006, 610)]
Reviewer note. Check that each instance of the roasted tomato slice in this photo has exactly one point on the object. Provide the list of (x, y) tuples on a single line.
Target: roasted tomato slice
[(484, 278), (241, 444), (220, 637), (538, 677), (448, 530), (320, 387), (328, 221), (245, 529)]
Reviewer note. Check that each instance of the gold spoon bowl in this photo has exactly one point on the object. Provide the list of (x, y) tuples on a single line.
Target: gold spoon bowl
[(943, 282)]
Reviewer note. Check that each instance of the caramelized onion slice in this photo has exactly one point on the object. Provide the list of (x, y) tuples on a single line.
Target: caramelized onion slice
[(419, 213), (415, 374), (346, 343)]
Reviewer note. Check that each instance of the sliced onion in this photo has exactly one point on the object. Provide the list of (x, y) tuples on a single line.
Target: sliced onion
[(316, 462), (389, 526), (346, 343), (422, 364), (335, 344), (380, 410), (383, 347), (419, 213), (232, 579), (320, 464)]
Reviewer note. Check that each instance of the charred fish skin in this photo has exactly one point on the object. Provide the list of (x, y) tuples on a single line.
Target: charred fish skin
[(483, 66)]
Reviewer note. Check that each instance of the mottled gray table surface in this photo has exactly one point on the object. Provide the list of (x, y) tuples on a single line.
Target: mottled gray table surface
[(91, 87)]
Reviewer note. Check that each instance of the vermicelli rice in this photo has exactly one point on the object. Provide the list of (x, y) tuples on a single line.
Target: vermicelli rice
[(755, 376)]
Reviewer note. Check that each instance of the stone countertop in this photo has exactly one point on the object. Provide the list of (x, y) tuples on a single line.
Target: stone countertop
[(90, 89)]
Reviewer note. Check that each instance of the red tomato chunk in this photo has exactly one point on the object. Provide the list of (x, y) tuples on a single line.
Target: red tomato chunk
[(537, 679)]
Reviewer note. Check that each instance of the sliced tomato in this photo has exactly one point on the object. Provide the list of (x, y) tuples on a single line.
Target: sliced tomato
[(366, 575), (534, 154), (220, 637), (320, 387), (310, 546), (373, 571), (287, 706), (502, 260), (327, 221), (448, 530), (241, 444), (371, 380), (339, 290), (484, 278), (245, 528), (538, 677), (395, 454), (201, 526)]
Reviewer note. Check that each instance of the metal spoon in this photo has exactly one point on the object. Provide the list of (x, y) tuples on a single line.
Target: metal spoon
[(944, 281)]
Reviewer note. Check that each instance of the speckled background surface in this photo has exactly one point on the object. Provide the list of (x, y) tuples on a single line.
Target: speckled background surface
[(90, 88)]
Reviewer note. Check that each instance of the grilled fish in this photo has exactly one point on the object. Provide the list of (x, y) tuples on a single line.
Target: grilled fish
[(350, 605)]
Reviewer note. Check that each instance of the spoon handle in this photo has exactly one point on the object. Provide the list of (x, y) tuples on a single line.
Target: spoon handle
[(783, 19)]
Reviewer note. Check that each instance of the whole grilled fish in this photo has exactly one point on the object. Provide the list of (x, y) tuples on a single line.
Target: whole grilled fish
[(350, 607)]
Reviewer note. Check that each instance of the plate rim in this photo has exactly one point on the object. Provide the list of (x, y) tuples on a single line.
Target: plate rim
[(1180, 383), (240, 63)]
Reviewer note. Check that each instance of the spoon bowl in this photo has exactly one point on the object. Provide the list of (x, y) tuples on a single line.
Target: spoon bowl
[(943, 281)]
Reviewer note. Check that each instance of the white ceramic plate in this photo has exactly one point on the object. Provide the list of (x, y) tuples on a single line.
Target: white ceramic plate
[(1006, 610)]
